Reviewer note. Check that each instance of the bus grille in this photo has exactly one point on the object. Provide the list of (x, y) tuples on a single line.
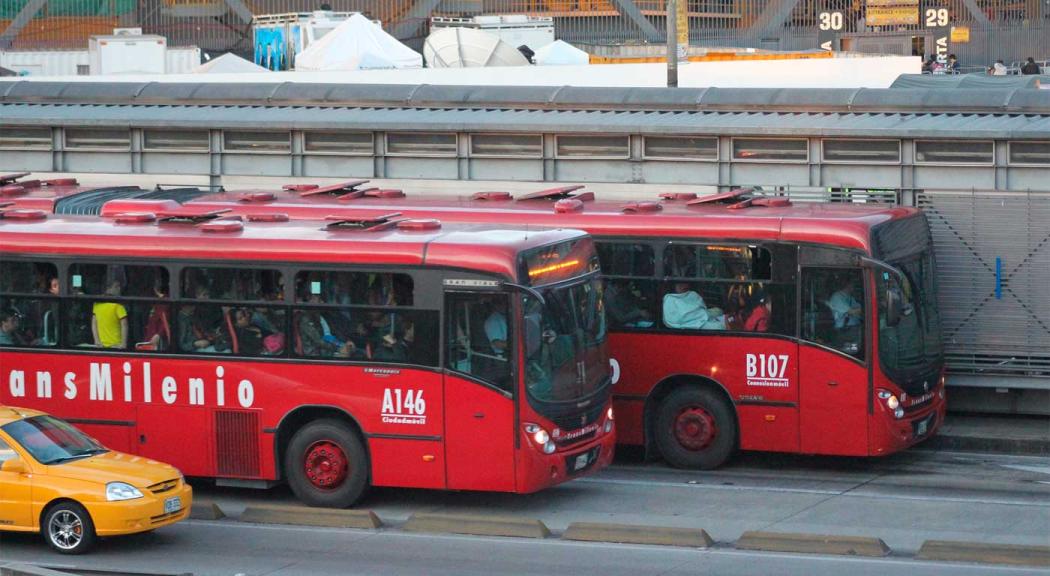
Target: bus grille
[(578, 420), (237, 443)]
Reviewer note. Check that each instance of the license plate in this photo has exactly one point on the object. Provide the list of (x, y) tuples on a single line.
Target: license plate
[(173, 504), (581, 462), (923, 426)]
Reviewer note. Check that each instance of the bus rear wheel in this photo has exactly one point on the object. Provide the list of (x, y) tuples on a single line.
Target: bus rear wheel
[(695, 429), (326, 465)]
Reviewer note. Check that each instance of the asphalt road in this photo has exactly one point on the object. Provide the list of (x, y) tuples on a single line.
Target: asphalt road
[(904, 499)]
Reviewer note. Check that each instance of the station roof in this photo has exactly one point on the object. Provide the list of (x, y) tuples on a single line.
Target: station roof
[(932, 113)]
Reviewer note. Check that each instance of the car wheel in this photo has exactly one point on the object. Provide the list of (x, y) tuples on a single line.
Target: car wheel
[(68, 528), (326, 465), (695, 428)]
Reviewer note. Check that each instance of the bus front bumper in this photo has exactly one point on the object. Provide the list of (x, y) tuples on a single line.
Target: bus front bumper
[(890, 435), (541, 471)]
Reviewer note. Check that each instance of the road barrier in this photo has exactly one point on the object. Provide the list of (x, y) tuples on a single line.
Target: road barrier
[(477, 525), (304, 516), (951, 551), (812, 544), (631, 534), (206, 511)]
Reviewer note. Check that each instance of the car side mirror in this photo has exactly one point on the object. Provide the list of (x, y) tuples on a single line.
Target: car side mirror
[(14, 465), (894, 308)]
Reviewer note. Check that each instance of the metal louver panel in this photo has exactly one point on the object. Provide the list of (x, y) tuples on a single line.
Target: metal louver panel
[(237, 443), (990, 331)]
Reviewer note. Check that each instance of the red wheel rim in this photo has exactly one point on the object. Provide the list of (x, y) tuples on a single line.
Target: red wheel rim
[(326, 465), (695, 428)]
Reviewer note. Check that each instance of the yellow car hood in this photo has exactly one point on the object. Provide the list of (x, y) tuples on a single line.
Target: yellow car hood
[(116, 467)]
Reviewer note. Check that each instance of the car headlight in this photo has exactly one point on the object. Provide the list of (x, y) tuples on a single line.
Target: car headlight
[(116, 491)]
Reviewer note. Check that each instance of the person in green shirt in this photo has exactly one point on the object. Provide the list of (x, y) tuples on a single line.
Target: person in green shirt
[(109, 321)]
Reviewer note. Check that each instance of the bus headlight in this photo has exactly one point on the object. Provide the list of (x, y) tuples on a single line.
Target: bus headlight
[(898, 413), (549, 448), (539, 436), (891, 402)]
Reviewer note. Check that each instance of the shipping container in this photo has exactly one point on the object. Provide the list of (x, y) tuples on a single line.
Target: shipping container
[(180, 60), (127, 54)]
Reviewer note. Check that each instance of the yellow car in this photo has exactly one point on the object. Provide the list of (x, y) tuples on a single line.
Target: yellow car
[(56, 480)]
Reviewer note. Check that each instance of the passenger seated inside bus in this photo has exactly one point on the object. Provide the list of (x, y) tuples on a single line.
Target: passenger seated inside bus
[(314, 336), (109, 320), (760, 312), (9, 322), (622, 305), (202, 328), (684, 309)]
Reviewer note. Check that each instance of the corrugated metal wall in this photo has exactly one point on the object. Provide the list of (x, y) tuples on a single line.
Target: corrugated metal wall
[(998, 29)]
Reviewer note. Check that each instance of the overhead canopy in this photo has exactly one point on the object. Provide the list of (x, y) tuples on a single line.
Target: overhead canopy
[(561, 53), (357, 44), (228, 64), (967, 81), (469, 48)]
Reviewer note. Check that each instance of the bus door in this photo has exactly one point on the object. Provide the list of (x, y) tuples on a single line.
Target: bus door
[(833, 373), (479, 391)]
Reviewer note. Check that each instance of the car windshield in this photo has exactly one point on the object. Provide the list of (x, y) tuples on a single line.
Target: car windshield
[(565, 342), (52, 441)]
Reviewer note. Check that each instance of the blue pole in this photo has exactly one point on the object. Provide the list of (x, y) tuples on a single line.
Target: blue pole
[(998, 278)]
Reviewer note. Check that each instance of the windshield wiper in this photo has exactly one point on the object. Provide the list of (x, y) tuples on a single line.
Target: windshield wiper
[(77, 456)]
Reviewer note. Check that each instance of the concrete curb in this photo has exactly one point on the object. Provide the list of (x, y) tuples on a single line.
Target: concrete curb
[(29, 570), (1029, 446), (305, 516), (812, 544), (477, 525), (1018, 555), (206, 511), (631, 534)]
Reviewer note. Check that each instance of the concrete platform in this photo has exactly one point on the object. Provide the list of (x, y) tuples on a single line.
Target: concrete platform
[(993, 433)]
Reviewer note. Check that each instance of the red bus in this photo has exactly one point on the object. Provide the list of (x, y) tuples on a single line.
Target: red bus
[(334, 355), (861, 376)]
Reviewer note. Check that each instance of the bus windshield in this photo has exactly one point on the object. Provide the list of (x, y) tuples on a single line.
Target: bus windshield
[(911, 351), (565, 357)]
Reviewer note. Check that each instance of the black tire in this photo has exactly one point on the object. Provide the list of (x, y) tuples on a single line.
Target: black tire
[(319, 438), (699, 407), (68, 528)]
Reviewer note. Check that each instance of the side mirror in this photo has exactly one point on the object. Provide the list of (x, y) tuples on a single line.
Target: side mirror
[(894, 308), (14, 465)]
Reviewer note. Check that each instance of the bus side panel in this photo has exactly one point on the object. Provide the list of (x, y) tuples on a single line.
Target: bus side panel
[(119, 437), (479, 436), (407, 462), (834, 412), (402, 412), (756, 370), (165, 433)]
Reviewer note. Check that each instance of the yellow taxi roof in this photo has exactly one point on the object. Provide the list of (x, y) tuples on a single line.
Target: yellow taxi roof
[(11, 413)]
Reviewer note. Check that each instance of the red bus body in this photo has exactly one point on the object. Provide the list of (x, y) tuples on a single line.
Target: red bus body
[(232, 417), (831, 403)]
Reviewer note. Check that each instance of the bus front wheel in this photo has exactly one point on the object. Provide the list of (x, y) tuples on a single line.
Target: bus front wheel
[(695, 428), (326, 465)]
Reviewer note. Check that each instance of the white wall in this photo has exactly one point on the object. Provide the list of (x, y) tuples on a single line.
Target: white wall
[(874, 72)]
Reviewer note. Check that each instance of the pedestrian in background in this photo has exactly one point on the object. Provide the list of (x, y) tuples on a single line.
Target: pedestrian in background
[(1030, 67)]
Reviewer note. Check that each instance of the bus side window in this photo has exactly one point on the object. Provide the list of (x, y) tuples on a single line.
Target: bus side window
[(479, 337), (833, 310), (30, 301)]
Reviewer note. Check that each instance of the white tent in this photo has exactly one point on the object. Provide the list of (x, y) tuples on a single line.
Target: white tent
[(228, 64), (357, 44), (469, 48), (561, 53)]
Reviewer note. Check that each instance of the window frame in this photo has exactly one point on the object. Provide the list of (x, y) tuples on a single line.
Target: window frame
[(734, 158), (560, 156), (453, 153), (226, 149), (824, 155), (472, 154), (176, 149), (371, 144), (715, 158), (513, 334), (866, 326), (1010, 153), (66, 145), (32, 145), (924, 162)]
